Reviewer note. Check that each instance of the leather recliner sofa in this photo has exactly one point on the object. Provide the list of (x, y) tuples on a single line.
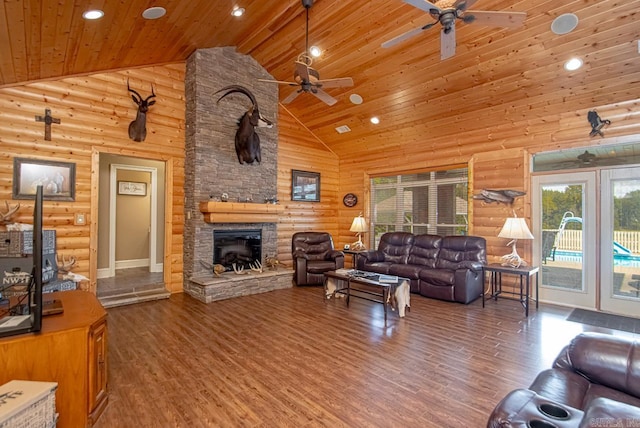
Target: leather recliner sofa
[(594, 382), (442, 267)]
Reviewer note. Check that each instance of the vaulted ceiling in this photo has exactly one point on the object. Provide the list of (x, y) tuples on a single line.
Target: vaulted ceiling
[(518, 69)]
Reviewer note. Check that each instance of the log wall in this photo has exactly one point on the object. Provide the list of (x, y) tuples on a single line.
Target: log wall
[(498, 153), (95, 112), (299, 149)]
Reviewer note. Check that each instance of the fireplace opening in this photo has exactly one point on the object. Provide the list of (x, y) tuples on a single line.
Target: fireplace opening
[(241, 247)]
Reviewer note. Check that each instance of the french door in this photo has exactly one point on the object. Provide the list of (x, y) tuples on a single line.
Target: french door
[(564, 225), (587, 228), (620, 261)]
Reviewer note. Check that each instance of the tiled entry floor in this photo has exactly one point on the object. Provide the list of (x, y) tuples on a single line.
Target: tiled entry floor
[(130, 286)]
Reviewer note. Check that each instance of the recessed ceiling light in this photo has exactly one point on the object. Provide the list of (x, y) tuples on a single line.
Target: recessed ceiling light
[(237, 11), (93, 14), (154, 12), (375, 120), (315, 51), (573, 64), (355, 99), (564, 24)]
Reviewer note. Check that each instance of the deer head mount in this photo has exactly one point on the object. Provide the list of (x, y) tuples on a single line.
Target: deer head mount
[(138, 127)]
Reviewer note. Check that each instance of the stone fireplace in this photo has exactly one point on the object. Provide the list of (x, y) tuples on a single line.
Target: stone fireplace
[(212, 169)]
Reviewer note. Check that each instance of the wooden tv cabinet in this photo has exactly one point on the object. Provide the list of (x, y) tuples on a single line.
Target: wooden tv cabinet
[(71, 349)]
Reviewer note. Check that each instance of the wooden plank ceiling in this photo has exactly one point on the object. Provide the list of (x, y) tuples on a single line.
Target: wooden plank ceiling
[(509, 73)]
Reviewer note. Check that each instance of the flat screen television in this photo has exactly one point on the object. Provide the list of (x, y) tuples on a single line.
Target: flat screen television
[(26, 317)]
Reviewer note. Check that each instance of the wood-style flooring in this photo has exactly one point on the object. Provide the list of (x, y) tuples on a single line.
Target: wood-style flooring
[(289, 359)]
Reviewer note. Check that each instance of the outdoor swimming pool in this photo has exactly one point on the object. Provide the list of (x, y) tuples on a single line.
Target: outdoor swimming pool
[(622, 260)]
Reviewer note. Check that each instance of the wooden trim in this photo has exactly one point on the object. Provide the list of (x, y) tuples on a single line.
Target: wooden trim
[(238, 212)]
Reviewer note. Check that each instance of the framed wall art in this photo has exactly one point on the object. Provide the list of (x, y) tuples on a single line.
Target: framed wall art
[(132, 188), (305, 186), (58, 179)]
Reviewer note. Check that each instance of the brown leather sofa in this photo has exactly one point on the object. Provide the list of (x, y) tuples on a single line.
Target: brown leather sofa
[(441, 267), (594, 382), (314, 254)]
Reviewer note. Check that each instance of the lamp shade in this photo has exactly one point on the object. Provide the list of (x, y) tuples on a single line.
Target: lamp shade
[(515, 228), (358, 225)]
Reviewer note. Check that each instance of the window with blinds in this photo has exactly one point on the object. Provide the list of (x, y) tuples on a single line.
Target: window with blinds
[(428, 202)]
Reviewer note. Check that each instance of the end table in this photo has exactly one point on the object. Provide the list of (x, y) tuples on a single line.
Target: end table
[(525, 273)]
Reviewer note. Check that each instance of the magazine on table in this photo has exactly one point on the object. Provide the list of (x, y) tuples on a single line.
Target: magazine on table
[(388, 279)]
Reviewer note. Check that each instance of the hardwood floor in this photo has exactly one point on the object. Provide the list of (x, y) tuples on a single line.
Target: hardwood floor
[(289, 359)]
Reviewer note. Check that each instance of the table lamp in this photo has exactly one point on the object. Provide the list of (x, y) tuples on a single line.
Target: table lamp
[(514, 228), (359, 226)]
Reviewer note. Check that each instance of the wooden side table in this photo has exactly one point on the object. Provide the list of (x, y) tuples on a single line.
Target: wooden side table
[(525, 273), (354, 256)]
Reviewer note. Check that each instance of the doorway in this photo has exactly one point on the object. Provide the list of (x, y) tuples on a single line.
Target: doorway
[(587, 227), (130, 228)]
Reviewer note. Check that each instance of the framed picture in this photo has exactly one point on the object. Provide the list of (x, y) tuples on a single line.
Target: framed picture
[(305, 186), (58, 179), (132, 188)]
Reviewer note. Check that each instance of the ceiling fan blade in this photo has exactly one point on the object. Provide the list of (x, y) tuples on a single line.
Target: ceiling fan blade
[(448, 43), (463, 4), (422, 5), (302, 70), (324, 96), (281, 82), (496, 18), (405, 36), (335, 83), (292, 96)]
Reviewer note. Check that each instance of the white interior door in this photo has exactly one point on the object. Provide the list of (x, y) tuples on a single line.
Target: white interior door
[(620, 230), (564, 228)]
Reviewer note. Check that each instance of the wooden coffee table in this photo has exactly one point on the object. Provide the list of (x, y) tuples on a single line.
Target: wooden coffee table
[(392, 290)]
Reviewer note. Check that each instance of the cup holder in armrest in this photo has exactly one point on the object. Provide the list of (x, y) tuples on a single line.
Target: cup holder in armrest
[(553, 411), (537, 423)]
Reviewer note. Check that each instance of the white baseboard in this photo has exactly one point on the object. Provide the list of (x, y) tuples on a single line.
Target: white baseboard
[(103, 273), (134, 263), (158, 267)]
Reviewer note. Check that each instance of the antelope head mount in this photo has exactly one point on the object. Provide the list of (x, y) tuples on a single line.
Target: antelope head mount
[(138, 127)]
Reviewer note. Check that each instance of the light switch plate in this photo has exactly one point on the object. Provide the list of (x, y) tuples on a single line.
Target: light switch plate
[(79, 219)]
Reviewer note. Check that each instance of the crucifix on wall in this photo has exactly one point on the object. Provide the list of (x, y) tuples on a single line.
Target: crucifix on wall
[(48, 120)]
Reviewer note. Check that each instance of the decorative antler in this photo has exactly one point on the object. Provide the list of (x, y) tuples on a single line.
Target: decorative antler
[(239, 270), (6, 217), (256, 267), (64, 265)]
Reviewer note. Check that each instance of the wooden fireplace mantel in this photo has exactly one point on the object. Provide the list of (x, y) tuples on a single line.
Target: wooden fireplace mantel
[(240, 212)]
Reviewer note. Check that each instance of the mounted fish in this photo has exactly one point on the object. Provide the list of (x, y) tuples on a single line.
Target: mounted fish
[(505, 196), (247, 140)]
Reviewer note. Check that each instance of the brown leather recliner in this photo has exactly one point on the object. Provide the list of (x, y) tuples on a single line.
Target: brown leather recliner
[(595, 381), (313, 255)]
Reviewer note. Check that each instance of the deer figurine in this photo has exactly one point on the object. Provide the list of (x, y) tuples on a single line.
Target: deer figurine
[(138, 127)]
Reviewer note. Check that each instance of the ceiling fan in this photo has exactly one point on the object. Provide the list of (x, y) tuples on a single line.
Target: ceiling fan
[(307, 78), (446, 12)]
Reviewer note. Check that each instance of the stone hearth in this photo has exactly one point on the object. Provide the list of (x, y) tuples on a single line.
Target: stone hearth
[(209, 288)]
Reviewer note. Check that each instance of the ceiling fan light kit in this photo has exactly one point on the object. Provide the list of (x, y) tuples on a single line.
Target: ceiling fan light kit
[(446, 12), (307, 78)]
